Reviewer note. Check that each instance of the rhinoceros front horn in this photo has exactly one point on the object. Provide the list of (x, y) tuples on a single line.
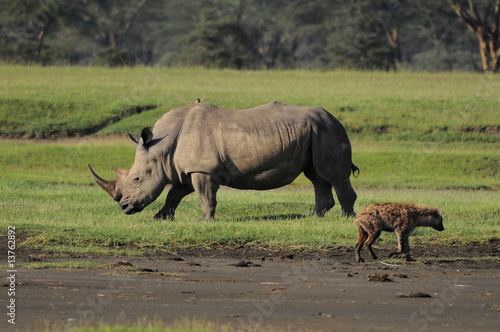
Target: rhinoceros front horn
[(107, 186)]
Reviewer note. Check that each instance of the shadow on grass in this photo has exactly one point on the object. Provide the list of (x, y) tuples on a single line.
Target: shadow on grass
[(290, 216)]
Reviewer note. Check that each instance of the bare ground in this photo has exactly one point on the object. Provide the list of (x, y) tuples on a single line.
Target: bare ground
[(249, 289)]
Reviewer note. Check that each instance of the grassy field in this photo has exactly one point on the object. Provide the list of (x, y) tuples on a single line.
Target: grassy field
[(61, 101), (429, 138), (155, 326)]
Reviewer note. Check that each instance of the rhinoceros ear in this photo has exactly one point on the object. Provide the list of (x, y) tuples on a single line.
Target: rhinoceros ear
[(134, 138), (145, 139), (146, 136)]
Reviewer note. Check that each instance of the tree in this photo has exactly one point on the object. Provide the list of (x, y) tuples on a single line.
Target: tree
[(106, 21), (242, 34), (220, 45), (486, 27), (365, 36), (254, 34), (28, 23), (109, 24), (274, 33), (437, 40)]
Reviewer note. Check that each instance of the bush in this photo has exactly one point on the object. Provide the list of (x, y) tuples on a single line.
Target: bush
[(113, 57)]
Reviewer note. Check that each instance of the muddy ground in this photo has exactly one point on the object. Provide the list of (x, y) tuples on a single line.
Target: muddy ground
[(248, 289)]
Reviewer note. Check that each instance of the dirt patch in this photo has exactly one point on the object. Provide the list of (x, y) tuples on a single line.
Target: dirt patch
[(248, 288), (492, 130), (412, 295), (245, 264), (120, 115), (379, 277), (472, 255)]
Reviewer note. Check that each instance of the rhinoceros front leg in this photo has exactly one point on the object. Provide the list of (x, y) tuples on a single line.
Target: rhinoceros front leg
[(174, 197), (206, 187)]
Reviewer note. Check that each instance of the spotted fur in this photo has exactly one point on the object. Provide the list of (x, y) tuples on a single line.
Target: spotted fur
[(400, 218)]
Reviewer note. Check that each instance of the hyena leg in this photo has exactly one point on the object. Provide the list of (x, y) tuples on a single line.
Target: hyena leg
[(403, 245), (362, 236), (371, 239), (357, 250), (406, 247), (400, 240)]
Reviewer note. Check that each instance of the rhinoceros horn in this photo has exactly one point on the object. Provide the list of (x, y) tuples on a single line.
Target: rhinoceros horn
[(107, 186)]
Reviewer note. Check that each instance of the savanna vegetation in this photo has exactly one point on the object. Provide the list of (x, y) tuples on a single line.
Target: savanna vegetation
[(419, 137), (444, 35)]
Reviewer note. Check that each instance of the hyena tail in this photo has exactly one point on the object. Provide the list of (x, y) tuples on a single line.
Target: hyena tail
[(362, 235)]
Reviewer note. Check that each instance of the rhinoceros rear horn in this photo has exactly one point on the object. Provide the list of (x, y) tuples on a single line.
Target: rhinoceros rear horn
[(107, 186)]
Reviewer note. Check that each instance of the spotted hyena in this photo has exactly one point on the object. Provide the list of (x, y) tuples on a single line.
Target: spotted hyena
[(400, 218)]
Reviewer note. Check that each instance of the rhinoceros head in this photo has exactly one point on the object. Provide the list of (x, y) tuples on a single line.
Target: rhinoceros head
[(142, 184)]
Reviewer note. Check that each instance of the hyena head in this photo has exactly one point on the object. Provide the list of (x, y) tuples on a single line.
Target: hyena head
[(435, 218)]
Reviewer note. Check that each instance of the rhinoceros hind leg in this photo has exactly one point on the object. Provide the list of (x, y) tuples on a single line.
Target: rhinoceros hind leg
[(174, 197), (322, 193), (206, 187), (346, 195)]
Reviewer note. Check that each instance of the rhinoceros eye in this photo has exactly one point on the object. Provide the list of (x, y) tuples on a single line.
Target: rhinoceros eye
[(137, 181)]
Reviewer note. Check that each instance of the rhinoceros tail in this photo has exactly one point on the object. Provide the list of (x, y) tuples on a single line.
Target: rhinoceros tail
[(355, 170)]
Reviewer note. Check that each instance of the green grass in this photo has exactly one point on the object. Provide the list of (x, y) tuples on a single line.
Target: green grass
[(428, 165), (387, 164), (62, 101), (64, 161), (181, 325), (428, 138), (79, 219), (62, 265)]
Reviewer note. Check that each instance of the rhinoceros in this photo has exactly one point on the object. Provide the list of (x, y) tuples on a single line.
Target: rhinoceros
[(200, 147)]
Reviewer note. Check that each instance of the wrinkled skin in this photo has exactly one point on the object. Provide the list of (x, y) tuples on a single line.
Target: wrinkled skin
[(200, 147)]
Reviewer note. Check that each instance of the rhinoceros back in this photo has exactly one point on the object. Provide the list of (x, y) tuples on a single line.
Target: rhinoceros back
[(259, 148)]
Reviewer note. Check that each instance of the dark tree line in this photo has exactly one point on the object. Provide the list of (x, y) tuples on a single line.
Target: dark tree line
[(254, 34)]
